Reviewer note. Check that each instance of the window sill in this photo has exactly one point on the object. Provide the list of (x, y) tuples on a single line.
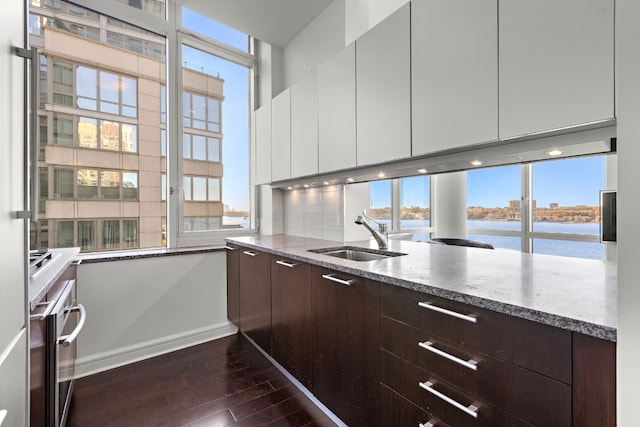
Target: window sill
[(97, 257)]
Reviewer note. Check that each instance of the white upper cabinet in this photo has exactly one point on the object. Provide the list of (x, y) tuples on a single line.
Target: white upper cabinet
[(281, 136), (337, 111), (304, 126), (383, 82), (263, 144), (556, 64), (454, 73)]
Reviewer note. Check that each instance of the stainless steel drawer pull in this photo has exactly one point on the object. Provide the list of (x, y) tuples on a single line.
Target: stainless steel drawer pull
[(427, 424), (430, 306), (333, 278), (250, 253), (470, 410), (286, 264), (230, 248), (471, 364), (66, 340)]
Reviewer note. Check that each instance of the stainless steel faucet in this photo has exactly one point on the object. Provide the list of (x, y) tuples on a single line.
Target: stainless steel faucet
[(380, 236)]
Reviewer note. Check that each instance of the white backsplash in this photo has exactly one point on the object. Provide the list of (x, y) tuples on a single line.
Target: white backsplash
[(315, 212)]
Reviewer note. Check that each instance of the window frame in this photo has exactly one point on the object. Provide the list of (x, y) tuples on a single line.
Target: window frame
[(176, 36)]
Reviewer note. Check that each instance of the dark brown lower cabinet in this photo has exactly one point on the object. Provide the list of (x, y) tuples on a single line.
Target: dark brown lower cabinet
[(346, 345), (233, 284), (291, 317), (395, 410), (594, 381), (255, 296)]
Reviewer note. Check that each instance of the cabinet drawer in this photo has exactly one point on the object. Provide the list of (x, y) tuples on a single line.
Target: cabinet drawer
[(532, 397), (532, 345), (398, 411), (409, 380)]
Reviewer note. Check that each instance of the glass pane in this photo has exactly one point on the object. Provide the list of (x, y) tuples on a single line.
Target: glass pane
[(111, 234), (109, 136), (505, 242), (229, 81), (130, 233), (199, 189), (214, 30), (380, 203), (199, 147), (87, 133), (566, 195), (415, 202), (130, 185), (163, 104), (186, 183), (63, 181), (590, 250), (86, 87), (63, 130), (87, 235), (163, 188), (163, 143), (64, 234), (493, 198), (87, 184), (152, 7), (186, 146), (213, 149), (110, 67), (214, 190), (110, 184), (129, 138)]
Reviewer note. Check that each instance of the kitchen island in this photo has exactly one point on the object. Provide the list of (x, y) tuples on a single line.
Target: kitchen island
[(435, 335), (578, 295)]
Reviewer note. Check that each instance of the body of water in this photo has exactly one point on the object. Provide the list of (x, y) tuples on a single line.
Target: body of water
[(590, 250)]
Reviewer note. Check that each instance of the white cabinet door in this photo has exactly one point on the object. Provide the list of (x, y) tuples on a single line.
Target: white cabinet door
[(281, 136), (337, 111), (263, 144), (556, 64), (304, 126), (13, 382), (383, 82), (454, 73)]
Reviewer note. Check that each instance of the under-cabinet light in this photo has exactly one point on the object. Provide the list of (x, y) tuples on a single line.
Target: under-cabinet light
[(476, 162), (555, 152)]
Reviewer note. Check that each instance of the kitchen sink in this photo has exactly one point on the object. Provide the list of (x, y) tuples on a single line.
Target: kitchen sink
[(354, 253)]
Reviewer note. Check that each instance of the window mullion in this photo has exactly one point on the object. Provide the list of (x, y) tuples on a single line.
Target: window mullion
[(526, 209)]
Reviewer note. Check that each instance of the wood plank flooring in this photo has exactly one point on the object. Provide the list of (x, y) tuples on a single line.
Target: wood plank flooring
[(226, 382)]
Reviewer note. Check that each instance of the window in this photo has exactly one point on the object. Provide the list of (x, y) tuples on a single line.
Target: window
[(562, 217), (381, 202), (415, 206), (103, 123), (214, 30)]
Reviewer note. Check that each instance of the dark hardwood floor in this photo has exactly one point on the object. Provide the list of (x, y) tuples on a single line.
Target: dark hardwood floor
[(225, 382)]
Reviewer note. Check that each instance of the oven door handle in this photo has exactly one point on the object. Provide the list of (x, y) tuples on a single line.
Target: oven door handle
[(66, 340)]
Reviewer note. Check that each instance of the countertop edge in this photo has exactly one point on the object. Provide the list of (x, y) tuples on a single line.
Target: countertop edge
[(604, 332)]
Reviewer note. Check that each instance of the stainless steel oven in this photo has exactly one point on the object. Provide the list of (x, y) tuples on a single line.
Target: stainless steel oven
[(55, 325)]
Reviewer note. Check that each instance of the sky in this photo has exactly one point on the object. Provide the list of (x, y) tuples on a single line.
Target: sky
[(566, 182), (235, 107)]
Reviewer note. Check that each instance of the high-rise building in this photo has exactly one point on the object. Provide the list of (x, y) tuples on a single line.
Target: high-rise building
[(103, 135)]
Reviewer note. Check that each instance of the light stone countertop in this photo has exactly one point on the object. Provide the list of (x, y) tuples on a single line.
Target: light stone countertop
[(570, 293)]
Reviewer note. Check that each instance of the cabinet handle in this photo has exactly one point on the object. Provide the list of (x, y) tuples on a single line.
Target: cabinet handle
[(251, 253), (3, 414), (66, 340), (427, 424), (430, 306), (333, 278), (471, 364), (286, 264), (470, 410), (230, 248)]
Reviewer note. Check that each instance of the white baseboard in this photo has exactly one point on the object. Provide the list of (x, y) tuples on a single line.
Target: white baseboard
[(93, 364)]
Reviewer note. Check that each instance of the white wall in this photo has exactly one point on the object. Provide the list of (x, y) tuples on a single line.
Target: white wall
[(317, 42), (628, 118), (141, 308)]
